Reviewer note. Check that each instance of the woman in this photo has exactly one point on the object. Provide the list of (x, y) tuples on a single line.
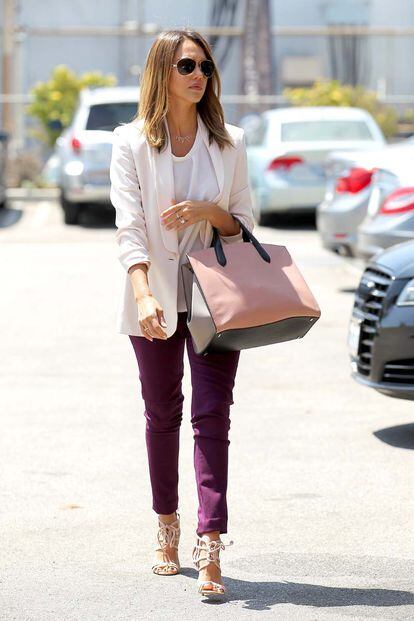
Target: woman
[(177, 171)]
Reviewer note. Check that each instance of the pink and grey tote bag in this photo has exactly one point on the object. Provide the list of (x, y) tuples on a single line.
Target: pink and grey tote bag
[(251, 295)]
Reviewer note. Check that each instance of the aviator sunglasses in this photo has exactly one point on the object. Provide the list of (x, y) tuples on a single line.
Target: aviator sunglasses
[(185, 66)]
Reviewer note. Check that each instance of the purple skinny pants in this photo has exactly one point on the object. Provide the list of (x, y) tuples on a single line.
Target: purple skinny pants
[(161, 369)]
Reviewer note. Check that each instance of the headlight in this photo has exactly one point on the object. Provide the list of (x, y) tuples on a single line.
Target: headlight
[(406, 297)]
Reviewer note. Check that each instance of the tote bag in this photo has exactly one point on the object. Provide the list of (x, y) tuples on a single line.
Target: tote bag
[(249, 295)]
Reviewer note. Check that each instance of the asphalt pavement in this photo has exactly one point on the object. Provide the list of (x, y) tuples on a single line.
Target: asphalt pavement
[(321, 473)]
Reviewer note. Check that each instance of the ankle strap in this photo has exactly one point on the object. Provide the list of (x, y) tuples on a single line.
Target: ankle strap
[(169, 534), (208, 551)]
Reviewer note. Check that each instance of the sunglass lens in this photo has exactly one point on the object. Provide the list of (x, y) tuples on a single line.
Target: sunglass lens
[(186, 66), (207, 67)]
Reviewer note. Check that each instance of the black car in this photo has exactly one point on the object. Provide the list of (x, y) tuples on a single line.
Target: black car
[(381, 329), (3, 151)]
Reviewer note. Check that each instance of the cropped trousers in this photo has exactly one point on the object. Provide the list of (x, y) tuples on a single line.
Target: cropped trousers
[(161, 369)]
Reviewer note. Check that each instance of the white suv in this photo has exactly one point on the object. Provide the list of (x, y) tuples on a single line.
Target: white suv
[(84, 148)]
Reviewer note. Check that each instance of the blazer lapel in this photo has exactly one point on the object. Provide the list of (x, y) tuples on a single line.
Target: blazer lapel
[(216, 158), (164, 185), (206, 229)]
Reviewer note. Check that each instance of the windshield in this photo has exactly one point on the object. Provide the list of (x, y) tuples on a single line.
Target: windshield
[(325, 130), (107, 116)]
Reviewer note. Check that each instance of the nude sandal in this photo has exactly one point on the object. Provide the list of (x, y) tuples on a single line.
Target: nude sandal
[(205, 552), (168, 535)]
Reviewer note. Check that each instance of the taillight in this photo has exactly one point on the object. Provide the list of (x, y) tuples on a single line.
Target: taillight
[(399, 201), (356, 180), (76, 145), (284, 161)]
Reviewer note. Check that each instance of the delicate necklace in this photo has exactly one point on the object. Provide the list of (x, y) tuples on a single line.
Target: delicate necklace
[(184, 138)]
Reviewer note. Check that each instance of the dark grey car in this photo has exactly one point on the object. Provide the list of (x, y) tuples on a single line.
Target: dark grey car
[(381, 329)]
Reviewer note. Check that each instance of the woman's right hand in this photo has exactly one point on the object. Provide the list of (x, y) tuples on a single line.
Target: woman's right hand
[(151, 317)]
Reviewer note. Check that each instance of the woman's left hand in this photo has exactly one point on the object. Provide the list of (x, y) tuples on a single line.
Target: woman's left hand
[(191, 211)]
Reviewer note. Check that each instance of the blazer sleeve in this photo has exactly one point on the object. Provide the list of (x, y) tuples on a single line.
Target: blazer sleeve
[(240, 200), (125, 196)]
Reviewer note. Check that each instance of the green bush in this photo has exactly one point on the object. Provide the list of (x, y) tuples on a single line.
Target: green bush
[(333, 93), (56, 99)]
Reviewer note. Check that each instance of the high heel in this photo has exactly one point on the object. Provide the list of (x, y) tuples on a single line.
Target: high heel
[(168, 536), (205, 552)]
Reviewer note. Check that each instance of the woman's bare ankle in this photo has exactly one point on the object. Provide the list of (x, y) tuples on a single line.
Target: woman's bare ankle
[(212, 535), (168, 518)]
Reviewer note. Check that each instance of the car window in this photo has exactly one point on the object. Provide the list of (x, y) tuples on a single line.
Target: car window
[(107, 116), (325, 130)]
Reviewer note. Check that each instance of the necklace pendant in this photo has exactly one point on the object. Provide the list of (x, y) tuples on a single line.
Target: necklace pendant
[(183, 138)]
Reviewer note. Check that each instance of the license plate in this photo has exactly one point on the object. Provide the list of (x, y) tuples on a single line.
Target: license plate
[(353, 336)]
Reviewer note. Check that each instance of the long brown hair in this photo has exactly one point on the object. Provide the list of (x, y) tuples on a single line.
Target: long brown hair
[(153, 103)]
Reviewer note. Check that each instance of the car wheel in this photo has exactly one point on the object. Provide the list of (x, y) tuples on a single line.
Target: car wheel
[(267, 219), (70, 210)]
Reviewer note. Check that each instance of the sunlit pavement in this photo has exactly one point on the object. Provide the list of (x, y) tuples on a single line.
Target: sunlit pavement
[(321, 473)]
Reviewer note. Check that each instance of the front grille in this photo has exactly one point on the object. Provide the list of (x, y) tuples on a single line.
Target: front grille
[(369, 299), (399, 372)]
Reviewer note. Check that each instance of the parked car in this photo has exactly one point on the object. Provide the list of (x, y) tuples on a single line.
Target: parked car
[(381, 328), (84, 148), (287, 150), (3, 154), (348, 192), (390, 215)]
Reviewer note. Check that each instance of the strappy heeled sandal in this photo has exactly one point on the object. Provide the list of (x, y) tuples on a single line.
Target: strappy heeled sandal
[(168, 536), (205, 552)]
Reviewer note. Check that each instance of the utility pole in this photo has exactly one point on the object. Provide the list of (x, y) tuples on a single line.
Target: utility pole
[(7, 64)]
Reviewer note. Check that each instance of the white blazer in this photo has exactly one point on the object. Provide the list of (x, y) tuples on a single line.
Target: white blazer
[(142, 186)]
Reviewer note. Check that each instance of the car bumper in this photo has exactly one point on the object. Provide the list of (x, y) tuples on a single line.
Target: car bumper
[(391, 390), (369, 244), (337, 221), (88, 193), (290, 198), (345, 244), (382, 232)]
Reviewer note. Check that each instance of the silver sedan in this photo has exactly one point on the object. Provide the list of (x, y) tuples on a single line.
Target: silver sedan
[(348, 193), (287, 149), (390, 215)]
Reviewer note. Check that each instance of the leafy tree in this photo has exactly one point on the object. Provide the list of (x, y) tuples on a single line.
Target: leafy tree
[(54, 102), (334, 93)]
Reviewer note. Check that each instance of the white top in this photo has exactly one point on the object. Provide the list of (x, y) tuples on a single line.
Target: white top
[(194, 179)]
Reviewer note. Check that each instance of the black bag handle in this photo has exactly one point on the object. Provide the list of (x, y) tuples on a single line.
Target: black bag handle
[(247, 236)]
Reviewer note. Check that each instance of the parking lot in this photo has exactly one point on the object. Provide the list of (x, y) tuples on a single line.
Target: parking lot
[(321, 468)]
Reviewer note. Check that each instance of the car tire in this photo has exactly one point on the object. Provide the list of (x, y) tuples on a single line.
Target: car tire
[(264, 218), (70, 210)]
